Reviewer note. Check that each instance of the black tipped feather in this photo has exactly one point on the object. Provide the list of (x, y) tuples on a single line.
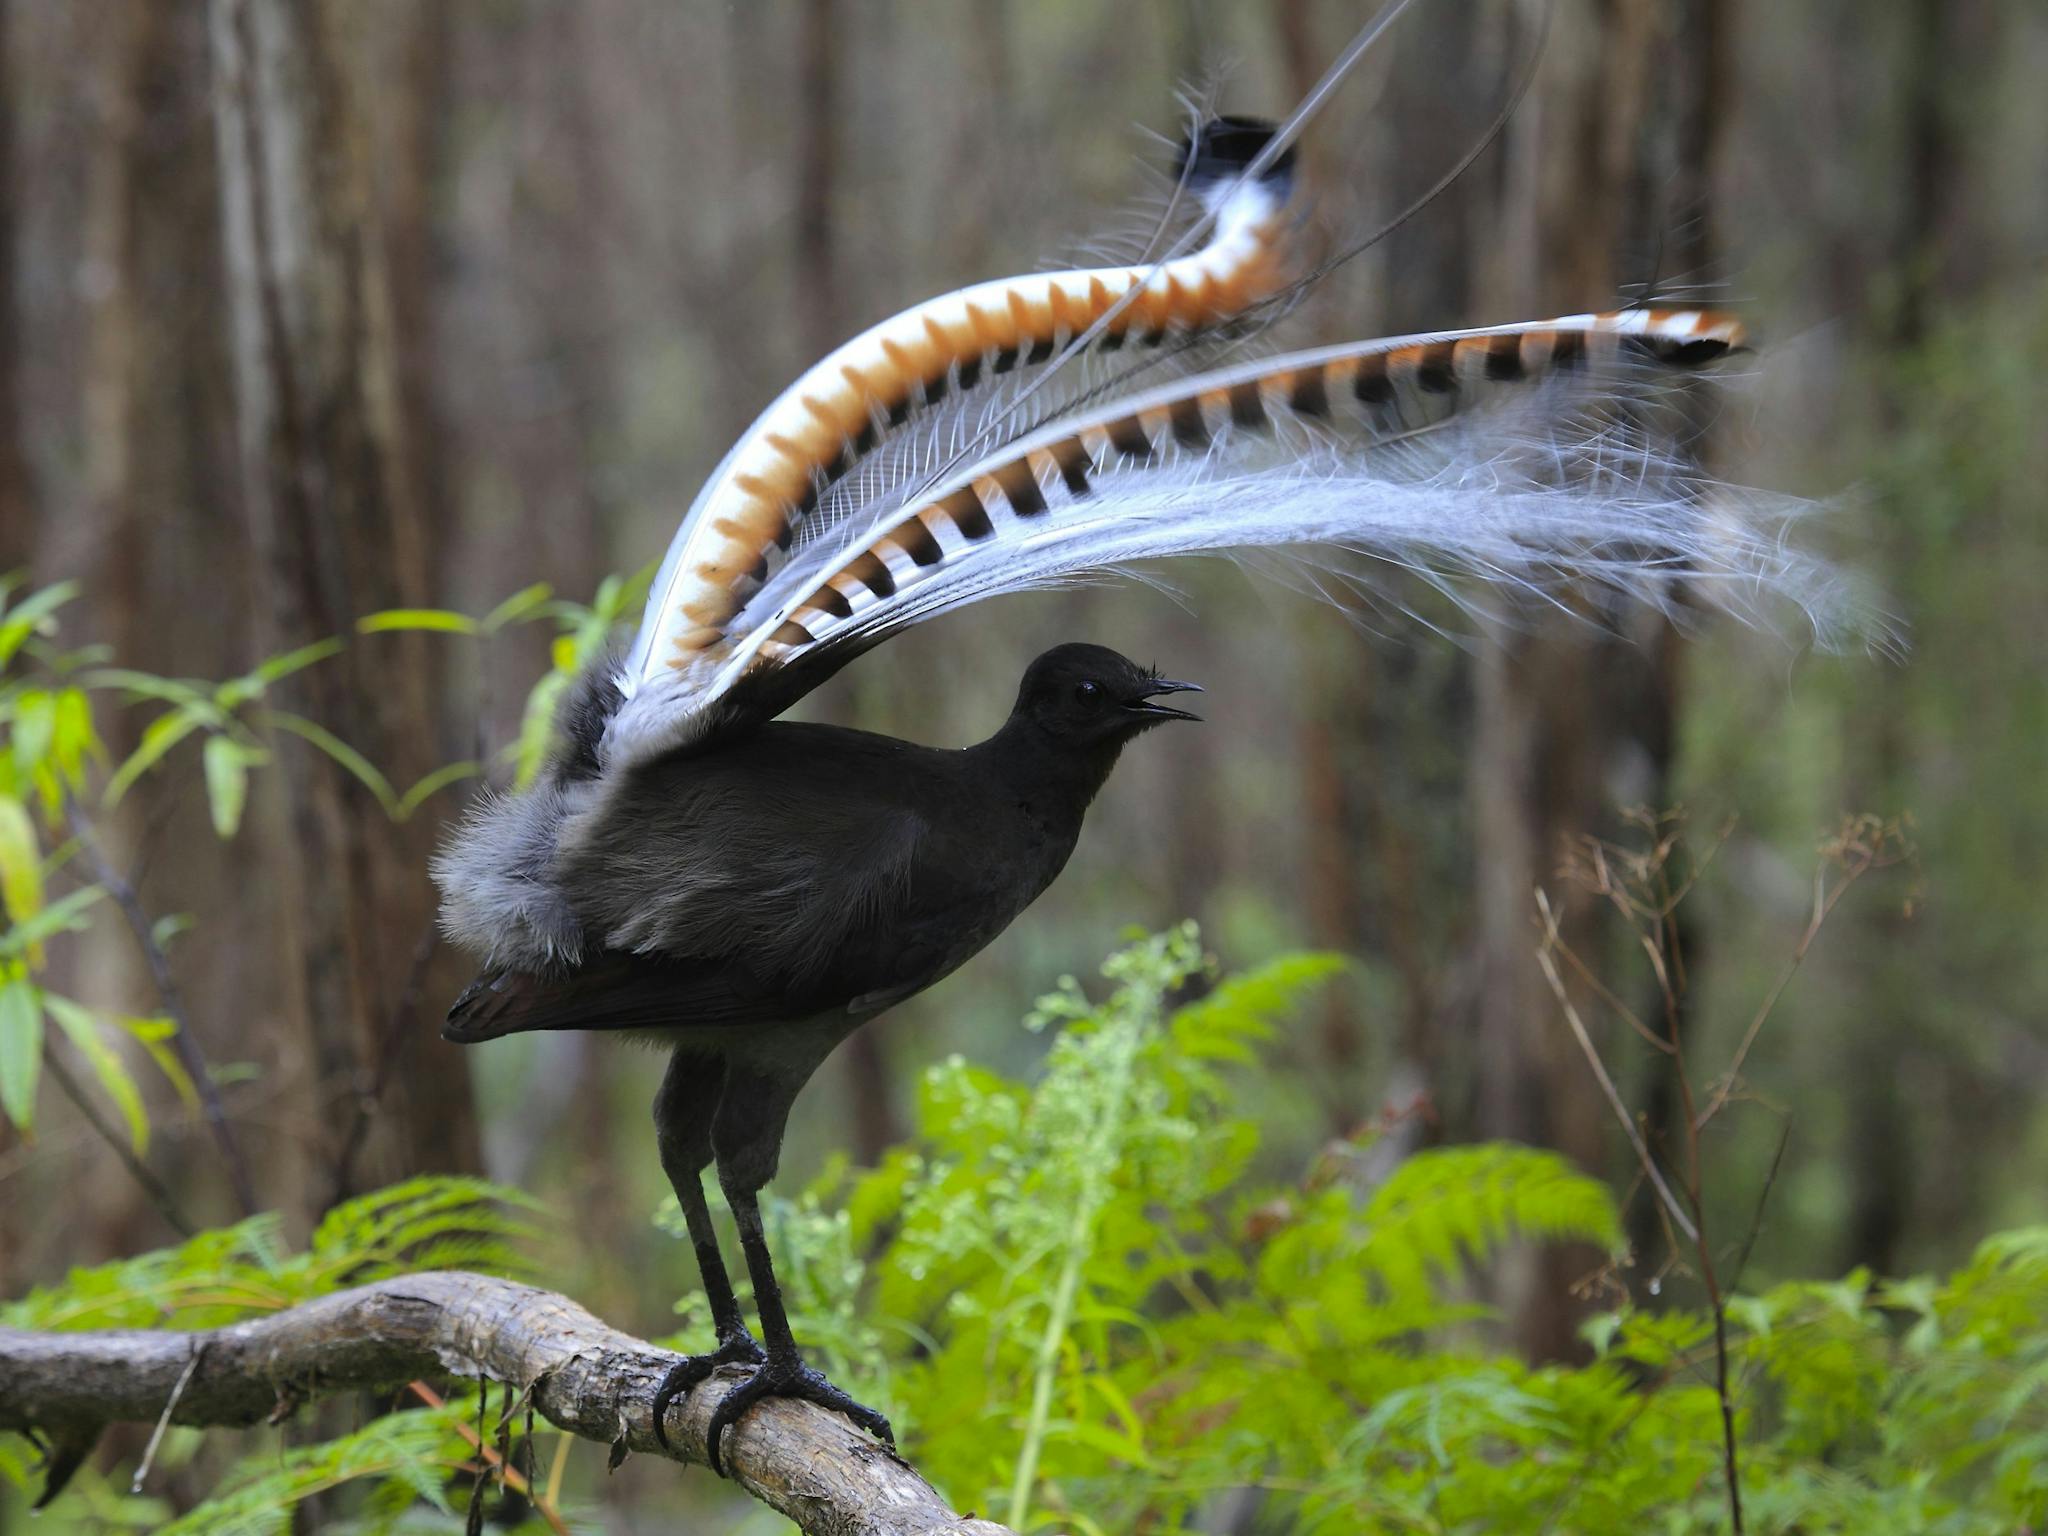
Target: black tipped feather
[(1223, 146)]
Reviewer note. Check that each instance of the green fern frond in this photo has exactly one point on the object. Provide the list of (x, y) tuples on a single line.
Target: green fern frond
[(415, 1450), (234, 1272), (1449, 1208)]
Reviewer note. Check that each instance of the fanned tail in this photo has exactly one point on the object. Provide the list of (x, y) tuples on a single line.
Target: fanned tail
[(1521, 456)]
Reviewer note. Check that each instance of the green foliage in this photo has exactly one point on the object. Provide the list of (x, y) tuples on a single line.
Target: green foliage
[(248, 1269), (407, 1456), (230, 1273), (1085, 1312), (1084, 1315), (55, 770)]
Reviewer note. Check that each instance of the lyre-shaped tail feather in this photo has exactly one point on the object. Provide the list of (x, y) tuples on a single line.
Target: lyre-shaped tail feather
[(761, 507), (1518, 454)]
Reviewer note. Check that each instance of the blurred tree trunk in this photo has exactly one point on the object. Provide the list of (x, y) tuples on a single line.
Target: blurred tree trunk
[(335, 515), (1881, 1142), (1572, 723), (107, 549), (17, 532), (17, 529), (1335, 718), (1362, 860)]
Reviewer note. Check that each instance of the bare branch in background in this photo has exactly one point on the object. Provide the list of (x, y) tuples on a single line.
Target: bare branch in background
[(153, 1188), (190, 1056), (1544, 957)]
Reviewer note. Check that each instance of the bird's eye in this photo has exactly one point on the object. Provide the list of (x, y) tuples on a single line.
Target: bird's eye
[(1087, 693)]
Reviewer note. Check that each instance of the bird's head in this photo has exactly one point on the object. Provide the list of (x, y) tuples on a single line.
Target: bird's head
[(1088, 696)]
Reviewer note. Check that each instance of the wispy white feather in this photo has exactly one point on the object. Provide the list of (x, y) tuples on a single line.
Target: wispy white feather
[(1503, 466)]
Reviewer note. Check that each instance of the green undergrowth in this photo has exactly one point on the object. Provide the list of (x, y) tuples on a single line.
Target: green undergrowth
[(1086, 1313), (1083, 1315), (401, 1466)]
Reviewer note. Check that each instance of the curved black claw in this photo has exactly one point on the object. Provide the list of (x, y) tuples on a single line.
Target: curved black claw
[(788, 1378), (740, 1349)]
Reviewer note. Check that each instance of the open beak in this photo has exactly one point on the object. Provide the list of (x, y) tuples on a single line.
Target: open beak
[(1142, 706)]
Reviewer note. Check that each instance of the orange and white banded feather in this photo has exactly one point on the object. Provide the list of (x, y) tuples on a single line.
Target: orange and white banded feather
[(759, 504), (1036, 494)]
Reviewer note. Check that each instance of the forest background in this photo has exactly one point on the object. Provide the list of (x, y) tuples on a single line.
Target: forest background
[(557, 256)]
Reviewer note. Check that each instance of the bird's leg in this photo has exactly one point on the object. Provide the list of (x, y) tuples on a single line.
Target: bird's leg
[(752, 1114), (683, 1111), (726, 1322), (783, 1373)]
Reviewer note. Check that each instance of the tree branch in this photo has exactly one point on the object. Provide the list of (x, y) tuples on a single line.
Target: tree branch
[(581, 1375)]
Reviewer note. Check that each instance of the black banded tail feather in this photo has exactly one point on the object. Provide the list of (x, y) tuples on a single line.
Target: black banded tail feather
[(1421, 451)]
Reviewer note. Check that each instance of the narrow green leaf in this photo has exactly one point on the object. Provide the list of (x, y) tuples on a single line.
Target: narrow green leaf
[(434, 783), (147, 685), (162, 734), (41, 604), (86, 1032), (154, 1035), (21, 868), (77, 739), (21, 1050), (537, 727), (227, 783), (618, 600), (236, 692), (59, 856), (33, 729), (62, 916), (165, 930), (29, 614), (279, 667), (520, 606), (341, 752), (66, 663), (1100, 1437), (444, 620)]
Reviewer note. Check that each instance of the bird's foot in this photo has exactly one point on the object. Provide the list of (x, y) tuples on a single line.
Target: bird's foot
[(734, 1349), (788, 1376)]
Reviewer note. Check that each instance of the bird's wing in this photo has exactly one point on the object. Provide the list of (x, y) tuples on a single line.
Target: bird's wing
[(779, 889), (770, 921), (608, 991)]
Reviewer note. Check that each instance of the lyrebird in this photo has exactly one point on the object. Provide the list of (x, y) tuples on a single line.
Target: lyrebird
[(747, 893)]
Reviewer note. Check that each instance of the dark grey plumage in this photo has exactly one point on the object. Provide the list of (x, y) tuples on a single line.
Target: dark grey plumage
[(751, 900)]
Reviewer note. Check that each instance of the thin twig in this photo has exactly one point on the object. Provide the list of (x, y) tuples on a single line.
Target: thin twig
[(190, 1056), (1647, 894), (1606, 995), (163, 1421), (398, 1026), (154, 1188), (1552, 940), (1824, 901), (1756, 1216)]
